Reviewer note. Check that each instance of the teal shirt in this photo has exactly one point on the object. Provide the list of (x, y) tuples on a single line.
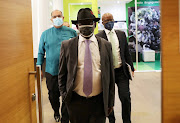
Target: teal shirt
[(50, 42)]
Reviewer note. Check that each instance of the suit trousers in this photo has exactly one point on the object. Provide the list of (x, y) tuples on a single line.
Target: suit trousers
[(54, 94), (122, 83), (86, 110)]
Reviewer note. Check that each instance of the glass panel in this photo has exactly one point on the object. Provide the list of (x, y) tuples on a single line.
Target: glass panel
[(148, 34)]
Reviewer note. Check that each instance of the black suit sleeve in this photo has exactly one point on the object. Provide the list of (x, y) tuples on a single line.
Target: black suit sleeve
[(62, 76), (112, 80), (128, 58)]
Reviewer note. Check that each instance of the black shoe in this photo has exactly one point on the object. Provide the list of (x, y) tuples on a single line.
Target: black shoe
[(57, 118)]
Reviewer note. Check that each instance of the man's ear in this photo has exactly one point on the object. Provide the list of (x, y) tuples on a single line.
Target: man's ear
[(103, 23), (63, 18)]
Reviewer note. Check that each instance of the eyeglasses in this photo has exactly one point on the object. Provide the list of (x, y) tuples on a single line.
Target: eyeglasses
[(57, 16), (106, 21)]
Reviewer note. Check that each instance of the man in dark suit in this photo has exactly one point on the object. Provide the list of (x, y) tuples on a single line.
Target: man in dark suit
[(86, 73), (121, 58)]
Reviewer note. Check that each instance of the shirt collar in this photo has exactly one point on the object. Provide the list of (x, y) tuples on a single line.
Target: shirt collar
[(108, 31), (92, 38)]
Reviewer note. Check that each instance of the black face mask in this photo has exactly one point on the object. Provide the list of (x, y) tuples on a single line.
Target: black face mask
[(86, 30)]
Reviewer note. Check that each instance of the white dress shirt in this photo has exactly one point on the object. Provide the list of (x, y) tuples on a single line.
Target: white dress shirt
[(117, 46), (96, 83)]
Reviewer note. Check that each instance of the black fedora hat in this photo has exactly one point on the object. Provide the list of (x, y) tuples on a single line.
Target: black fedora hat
[(85, 14)]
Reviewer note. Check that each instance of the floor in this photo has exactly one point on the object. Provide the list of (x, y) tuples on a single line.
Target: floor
[(145, 95), (146, 66)]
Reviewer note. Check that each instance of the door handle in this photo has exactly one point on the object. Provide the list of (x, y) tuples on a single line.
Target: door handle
[(39, 94), (32, 72), (33, 97)]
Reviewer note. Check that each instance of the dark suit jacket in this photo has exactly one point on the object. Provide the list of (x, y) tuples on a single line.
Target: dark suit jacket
[(124, 50), (68, 68)]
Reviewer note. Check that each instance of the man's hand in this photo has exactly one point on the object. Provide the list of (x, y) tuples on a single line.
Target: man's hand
[(133, 73), (110, 110)]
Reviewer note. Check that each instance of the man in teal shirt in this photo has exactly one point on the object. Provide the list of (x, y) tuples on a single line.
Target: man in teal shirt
[(50, 43)]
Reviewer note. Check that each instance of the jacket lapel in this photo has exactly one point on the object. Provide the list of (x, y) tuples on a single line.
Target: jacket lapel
[(74, 55), (102, 57), (99, 43), (104, 35)]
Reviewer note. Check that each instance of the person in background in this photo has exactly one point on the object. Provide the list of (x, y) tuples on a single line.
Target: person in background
[(50, 43), (66, 24), (86, 73), (121, 58)]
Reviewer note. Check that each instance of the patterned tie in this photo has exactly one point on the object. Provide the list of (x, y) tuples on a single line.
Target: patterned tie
[(87, 83), (114, 51)]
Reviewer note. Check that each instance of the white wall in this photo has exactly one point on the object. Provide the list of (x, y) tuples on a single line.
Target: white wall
[(41, 15), (118, 10), (58, 4)]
